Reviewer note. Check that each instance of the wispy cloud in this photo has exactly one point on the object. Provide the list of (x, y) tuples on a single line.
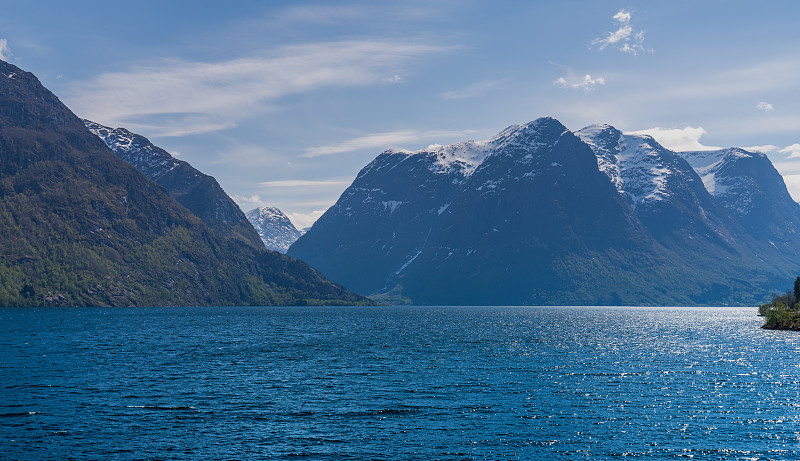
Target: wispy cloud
[(625, 38), (5, 51), (792, 151), (759, 77), (474, 90), (587, 83), (175, 97), (248, 203), (763, 148), (304, 183), (678, 139), (392, 139), (765, 106), (393, 79), (344, 14), (303, 220)]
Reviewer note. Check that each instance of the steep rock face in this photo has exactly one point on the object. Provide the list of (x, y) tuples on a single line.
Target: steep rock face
[(665, 192), (526, 217), (82, 227), (275, 229), (198, 192), (752, 190)]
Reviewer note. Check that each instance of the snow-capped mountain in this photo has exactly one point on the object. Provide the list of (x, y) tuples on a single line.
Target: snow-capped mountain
[(751, 189), (539, 215), (198, 192), (154, 162), (275, 229), (663, 189)]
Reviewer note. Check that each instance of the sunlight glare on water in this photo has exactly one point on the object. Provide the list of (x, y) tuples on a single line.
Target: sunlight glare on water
[(450, 383)]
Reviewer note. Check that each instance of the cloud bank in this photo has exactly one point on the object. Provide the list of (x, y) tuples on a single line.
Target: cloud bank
[(678, 139)]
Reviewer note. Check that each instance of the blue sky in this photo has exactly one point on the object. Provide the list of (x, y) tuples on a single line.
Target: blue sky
[(284, 102)]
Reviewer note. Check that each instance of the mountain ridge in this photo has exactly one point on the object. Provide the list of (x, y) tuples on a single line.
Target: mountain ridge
[(84, 228), (197, 191), (535, 215)]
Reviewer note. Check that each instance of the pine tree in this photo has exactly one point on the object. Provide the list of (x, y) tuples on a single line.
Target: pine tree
[(797, 290)]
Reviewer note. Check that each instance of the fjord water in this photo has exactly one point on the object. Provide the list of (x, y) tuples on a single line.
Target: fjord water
[(448, 383)]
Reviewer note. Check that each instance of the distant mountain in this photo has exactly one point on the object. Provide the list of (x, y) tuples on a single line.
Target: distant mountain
[(82, 227), (275, 229), (752, 190), (537, 216), (198, 192)]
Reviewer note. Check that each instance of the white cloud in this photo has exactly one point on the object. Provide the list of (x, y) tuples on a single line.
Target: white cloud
[(393, 79), (586, 83), (5, 51), (392, 139), (678, 139), (764, 148), (303, 220), (624, 38), (304, 183), (792, 151), (248, 203), (765, 106), (173, 97)]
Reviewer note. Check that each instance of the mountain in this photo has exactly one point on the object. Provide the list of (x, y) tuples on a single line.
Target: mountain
[(661, 187), (198, 192), (275, 229), (530, 217), (754, 193), (82, 227)]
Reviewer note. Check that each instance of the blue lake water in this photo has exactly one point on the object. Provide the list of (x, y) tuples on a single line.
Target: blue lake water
[(397, 383)]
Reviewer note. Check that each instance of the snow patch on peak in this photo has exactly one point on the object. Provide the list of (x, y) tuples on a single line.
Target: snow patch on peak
[(710, 166), (466, 156), (637, 165), (592, 134), (134, 149), (275, 229)]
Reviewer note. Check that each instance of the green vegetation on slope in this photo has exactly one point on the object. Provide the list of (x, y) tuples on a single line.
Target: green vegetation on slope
[(82, 227), (783, 312)]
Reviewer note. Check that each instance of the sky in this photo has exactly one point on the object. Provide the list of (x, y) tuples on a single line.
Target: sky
[(285, 101)]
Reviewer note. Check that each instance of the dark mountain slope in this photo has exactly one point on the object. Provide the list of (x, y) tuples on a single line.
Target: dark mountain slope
[(198, 192), (526, 217), (752, 190), (82, 227)]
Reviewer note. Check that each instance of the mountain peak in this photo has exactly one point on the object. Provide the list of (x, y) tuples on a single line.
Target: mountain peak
[(465, 157), (274, 227)]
